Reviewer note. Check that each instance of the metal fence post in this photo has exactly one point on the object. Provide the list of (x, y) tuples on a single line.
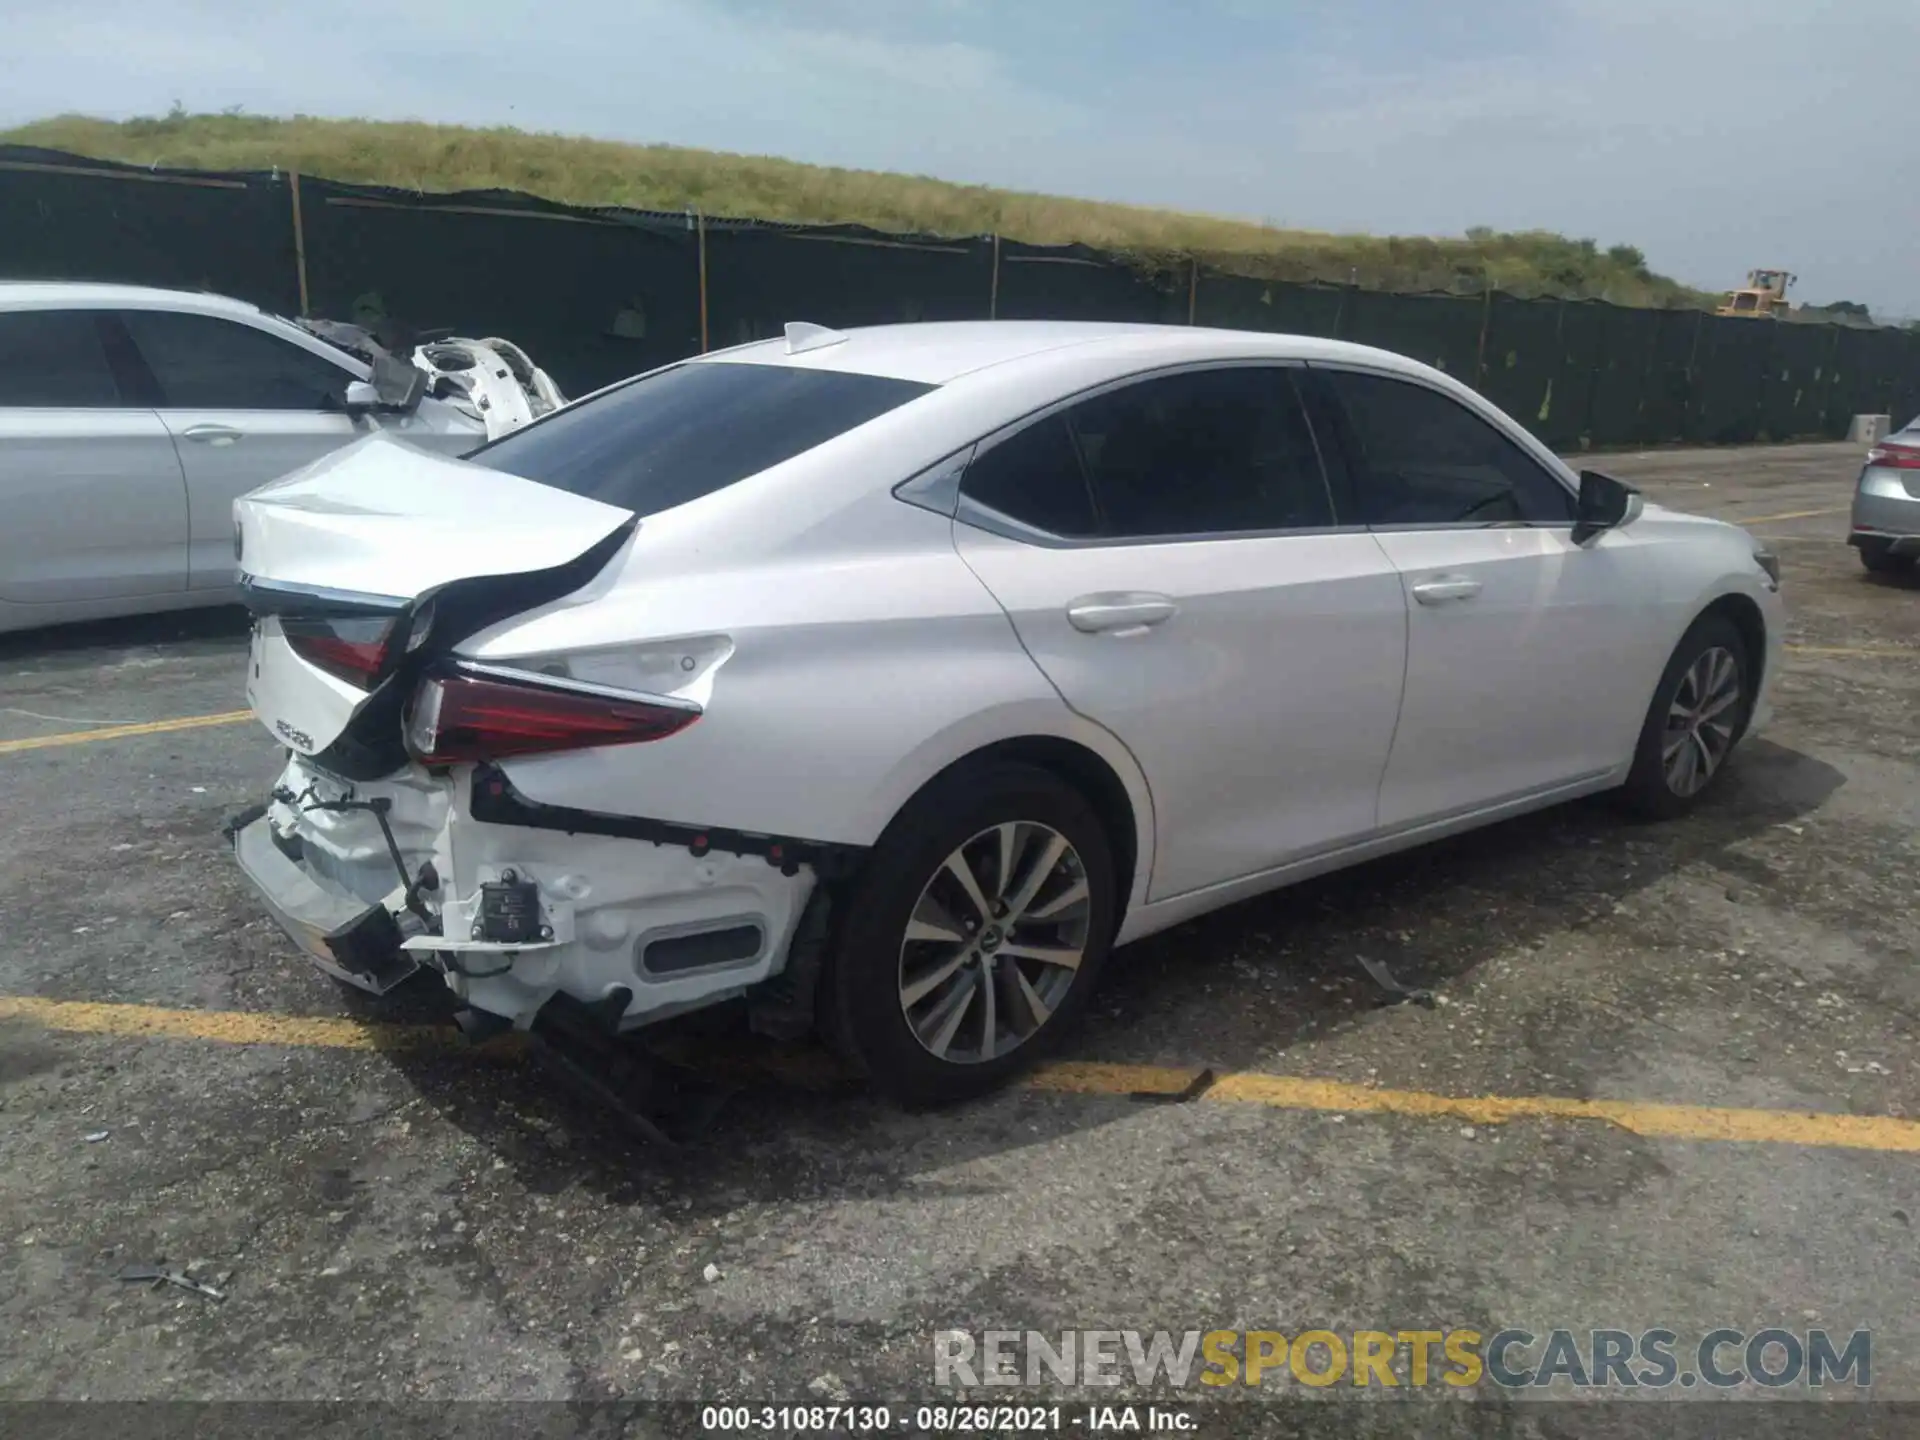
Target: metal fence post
[(700, 224), (1193, 287), (299, 240), (993, 291), (1486, 319)]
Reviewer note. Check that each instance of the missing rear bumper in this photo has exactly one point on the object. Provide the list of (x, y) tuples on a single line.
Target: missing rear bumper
[(356, 943)]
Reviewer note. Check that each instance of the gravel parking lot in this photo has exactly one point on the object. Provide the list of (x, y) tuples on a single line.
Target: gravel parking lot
[(393, 1217)]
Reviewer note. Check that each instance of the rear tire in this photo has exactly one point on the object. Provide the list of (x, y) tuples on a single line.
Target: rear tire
[(1699, 713), (970, 944), (1879, 558)]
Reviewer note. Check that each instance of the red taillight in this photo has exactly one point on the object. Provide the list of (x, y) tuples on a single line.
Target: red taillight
[(466, 717), (1889, 456), (352, 648)]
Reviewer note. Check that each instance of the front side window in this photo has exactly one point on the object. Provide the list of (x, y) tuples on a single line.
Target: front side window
[(1423, 458), (54, 359), (202, 362), (678, 434)]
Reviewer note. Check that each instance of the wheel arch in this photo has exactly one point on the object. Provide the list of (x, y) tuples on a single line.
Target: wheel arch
[(1745, 615), (1096, 766)]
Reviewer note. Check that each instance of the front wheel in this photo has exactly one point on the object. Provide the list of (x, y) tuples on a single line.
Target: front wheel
[(975, 936), (1699, 712)]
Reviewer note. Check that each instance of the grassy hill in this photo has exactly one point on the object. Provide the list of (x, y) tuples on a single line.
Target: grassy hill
[(663, 177)]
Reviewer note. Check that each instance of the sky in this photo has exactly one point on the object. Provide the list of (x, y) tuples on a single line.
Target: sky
[(1717, 135)]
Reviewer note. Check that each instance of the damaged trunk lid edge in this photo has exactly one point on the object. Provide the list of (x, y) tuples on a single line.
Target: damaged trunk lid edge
[(364, 567)]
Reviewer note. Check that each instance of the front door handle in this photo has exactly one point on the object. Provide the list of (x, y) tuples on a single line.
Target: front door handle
[(1118, 612), (212, 434), (1442, 588)]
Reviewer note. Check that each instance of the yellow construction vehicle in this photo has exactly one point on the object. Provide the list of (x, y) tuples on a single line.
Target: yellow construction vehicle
[(1764, 295)]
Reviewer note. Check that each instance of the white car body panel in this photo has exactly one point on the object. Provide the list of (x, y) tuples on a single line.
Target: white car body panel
[(1565, 631), (95, 509), (352, 521), (119, 511), (485, 371), (603, 897), (1299, 709), (1261, 711)]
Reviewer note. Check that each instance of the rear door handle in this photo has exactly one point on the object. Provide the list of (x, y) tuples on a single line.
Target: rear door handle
[(1120, 612), (212, 434), (1442, 588)]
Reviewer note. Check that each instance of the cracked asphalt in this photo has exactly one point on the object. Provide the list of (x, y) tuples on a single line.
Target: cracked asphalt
[(439, 1225)]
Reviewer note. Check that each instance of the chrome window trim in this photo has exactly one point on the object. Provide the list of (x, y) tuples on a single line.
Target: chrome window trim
[(1523, 440), (971, 513)]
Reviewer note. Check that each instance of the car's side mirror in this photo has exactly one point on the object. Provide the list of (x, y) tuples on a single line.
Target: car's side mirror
[(361, 397), (1604, 504)]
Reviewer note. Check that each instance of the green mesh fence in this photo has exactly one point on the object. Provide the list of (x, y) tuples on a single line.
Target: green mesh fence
[(1438, 330), (1072, 282), (591, 297), (1668, 388), (597, 294), (1790, 401), (1521, 364), (65, 218), (1237, 302), (1628, 339), (759, 278)]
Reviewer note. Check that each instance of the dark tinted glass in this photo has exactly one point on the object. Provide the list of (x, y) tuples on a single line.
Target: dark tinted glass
[(1425, 459), (204, 363), (53, 358), (689, 431), (1034, 477), (1203, 453)]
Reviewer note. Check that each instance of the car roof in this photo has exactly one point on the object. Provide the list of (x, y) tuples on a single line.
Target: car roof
[(942, 352), (97, 295)]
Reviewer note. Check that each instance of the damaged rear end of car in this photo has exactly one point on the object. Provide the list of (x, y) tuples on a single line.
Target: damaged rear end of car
[(395, 838)]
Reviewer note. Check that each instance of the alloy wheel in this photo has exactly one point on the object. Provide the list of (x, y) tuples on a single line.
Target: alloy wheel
[(994, 942), (1700, 721)]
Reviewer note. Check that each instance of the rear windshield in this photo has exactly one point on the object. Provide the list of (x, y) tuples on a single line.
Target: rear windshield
[(686, 432)]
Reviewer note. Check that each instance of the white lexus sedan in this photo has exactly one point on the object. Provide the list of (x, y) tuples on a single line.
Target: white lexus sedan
[(889, 679)]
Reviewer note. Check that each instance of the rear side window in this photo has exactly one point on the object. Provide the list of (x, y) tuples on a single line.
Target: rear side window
[(1423, 458), (1207, 452), (683, 433), (53, 358), (205, 363), (1034, 477)]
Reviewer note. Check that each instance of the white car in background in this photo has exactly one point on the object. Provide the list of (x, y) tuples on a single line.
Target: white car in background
[(131, 419), (890, 678)]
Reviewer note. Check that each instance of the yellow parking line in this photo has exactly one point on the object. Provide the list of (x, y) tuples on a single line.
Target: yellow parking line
[(1676, 1122), (123, 732), (1278, 1092), (1861, 652), (237, 717), (228, 1027), (1787, 515)]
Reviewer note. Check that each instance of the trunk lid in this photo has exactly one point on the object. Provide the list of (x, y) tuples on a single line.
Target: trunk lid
[(380, 539), (382, 517)]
